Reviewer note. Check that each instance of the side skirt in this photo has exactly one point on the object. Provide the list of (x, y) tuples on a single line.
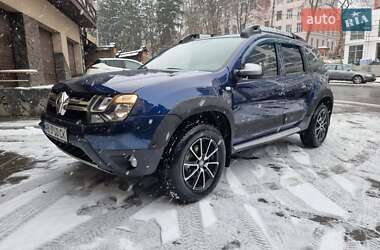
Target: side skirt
[(249, 144)]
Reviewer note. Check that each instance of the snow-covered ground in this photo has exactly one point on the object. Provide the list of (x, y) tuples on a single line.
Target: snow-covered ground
[(280, 196)]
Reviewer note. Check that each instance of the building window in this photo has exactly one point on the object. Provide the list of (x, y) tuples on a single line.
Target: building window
[(299, 27), (357, 35), (279, 15), (267, 24), (355, 54), (288, 28), (289, 14), (378, 52), (378, 29), (299, 14), (279, 27)]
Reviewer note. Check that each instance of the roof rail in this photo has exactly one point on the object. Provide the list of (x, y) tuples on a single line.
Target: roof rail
[(257, 29), (193, 37)]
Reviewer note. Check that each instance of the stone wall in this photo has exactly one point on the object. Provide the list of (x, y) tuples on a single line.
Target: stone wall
[(22, 102)]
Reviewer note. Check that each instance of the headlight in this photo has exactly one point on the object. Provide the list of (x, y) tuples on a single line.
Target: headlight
[(101, 104), (114, 109)]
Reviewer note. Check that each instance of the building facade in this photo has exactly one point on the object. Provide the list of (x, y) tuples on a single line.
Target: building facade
[(287, 17), (42, 40)]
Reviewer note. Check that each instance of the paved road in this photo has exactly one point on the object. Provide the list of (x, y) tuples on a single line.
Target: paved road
[(355, 93)]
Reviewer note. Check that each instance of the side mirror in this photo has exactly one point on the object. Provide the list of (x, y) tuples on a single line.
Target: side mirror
[(251, 70)]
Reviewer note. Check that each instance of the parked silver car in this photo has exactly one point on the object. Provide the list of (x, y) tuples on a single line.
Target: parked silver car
[(344, 72)]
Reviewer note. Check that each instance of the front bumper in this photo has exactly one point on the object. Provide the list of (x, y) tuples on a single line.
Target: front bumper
[(370, 78), (110, 148)]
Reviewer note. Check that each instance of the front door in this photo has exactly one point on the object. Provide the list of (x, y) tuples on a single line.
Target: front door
[(258, 103), (297, 84)]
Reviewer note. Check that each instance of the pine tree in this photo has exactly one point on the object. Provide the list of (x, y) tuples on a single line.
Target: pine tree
[(169, 13)]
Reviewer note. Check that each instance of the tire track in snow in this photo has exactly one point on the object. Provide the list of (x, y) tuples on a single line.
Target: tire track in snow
[(342, 191), (332, 190), (103, 223), (13, 191), (190, 225), (95, 228), (25, 213), (248, 215)]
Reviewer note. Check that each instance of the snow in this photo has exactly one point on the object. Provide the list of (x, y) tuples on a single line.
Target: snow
[(316, 200), (60, 217), (346, 184), (165, 215), (235, 184), (207, 212), (23, 199), (54, 221), (333, 240), (299, 155), (253, 212)]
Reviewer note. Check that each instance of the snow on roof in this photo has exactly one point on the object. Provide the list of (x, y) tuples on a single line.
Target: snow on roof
[(131, 53)]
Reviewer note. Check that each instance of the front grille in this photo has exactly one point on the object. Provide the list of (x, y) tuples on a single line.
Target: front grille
[(76, 109)]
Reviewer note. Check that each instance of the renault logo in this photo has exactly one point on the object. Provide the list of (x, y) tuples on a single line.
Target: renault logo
[(62, 102)]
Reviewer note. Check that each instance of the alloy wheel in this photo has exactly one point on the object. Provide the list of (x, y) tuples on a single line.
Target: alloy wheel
[(322, 125), (358, 80), (201, 164)]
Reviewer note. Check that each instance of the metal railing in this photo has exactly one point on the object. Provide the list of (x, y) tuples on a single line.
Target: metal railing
[(17, 72)]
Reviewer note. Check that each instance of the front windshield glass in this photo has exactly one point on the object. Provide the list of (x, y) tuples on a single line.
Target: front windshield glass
[(204, 55)]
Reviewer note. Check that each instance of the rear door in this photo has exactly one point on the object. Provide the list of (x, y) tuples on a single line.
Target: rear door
[(341, 73), (297, 84), (257, 103)]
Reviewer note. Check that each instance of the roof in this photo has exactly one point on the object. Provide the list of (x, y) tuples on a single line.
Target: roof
[(117, 59), (131, 53)]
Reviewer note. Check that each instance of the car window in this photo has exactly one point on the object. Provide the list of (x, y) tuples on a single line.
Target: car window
[(131, 65), (292, 59), (347, 67), (328, 67), (115, 63), (339, 67), (264, 55)]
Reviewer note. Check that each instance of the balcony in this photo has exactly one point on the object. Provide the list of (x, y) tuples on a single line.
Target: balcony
[(81, 12)]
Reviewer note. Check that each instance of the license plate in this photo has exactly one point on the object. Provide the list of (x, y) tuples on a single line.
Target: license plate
[(56, 132)]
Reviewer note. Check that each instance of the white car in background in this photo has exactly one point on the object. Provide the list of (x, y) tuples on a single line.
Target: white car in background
[(103, 65)]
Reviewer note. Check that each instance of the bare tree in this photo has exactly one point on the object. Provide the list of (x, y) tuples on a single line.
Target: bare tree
[(341, 5), (314, 5)]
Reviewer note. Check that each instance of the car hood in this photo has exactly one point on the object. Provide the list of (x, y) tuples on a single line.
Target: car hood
[(127, 81)]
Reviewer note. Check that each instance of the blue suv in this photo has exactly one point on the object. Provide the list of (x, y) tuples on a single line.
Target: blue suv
[(185, 112)]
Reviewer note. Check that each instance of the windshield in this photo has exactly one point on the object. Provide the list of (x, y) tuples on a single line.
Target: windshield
[(204, 55)]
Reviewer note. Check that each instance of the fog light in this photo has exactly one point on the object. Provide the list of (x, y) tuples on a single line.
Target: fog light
[(133, 161)]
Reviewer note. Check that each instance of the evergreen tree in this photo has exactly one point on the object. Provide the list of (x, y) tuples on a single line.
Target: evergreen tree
[(169, 13)]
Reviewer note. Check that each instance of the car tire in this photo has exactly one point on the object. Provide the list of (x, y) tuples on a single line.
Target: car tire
[(357, 79), (318, 128), (194, 164)]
